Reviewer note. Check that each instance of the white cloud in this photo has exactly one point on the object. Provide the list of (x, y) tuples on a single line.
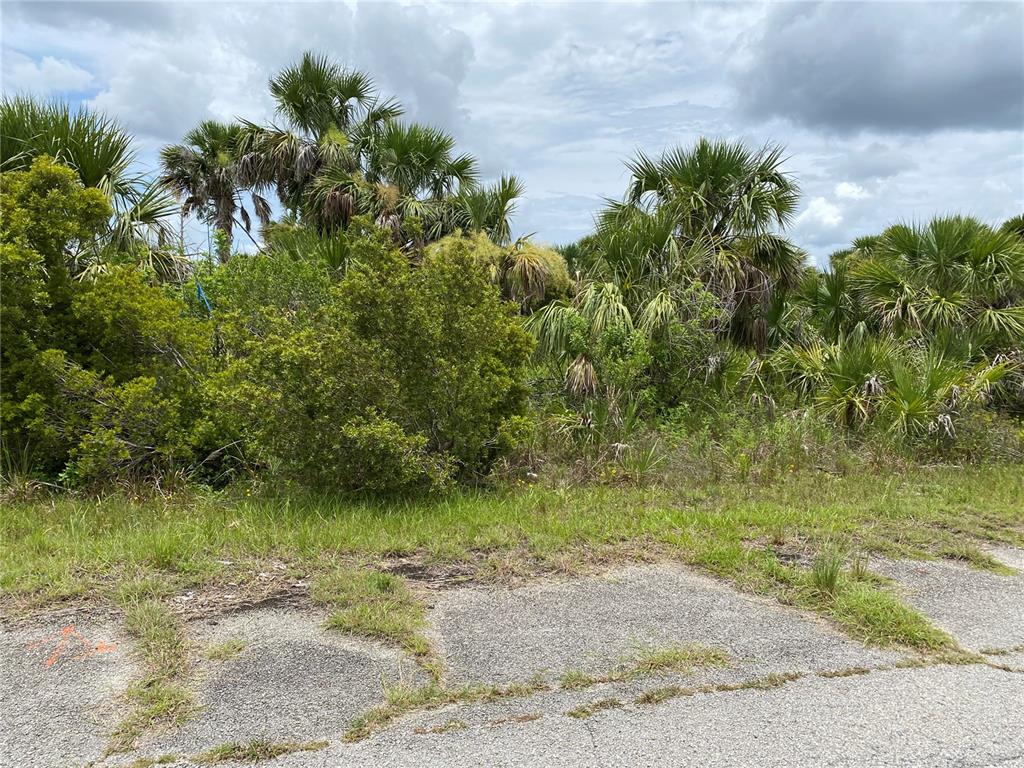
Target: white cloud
[(47, 76), (848, 190), (559, 95), (821, 213)]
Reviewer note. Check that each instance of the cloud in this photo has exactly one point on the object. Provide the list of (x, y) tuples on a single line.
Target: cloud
[(893, 66), (822, 213), (428, 75), (887, 112), (851, 191), (44, 77)]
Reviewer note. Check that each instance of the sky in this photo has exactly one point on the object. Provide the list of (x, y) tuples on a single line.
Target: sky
[(887, 111)]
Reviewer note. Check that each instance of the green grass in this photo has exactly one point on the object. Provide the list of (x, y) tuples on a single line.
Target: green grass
[(877, 617), (121, 549), (224, 651), (256, 750), (161, 697), (681, 659), (375, 605)]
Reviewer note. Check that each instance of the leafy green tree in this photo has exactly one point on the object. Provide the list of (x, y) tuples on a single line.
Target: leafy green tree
[(100, 152), (101, 378), (47, 218), (394, 376)]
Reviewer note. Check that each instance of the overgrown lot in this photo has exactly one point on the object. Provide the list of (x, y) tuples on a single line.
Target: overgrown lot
[(805, 539)]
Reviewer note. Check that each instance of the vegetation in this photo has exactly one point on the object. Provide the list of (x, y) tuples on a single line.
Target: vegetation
[(160, 698), (389, 373), (255, 751)]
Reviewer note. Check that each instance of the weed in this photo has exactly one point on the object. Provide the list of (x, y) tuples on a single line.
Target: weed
[(845, 672), (768, 682), (880, 618), (574, 679), (402, 699), (529, 717), (859, 569), (226, 650), (373, 604), (680, 659), (445, 727), (658, 695), (160, 698), (149, 762), (593, 708), (90, 547), (969, 553), (256, 750), (773, 680), (154, 702), (825, 573)]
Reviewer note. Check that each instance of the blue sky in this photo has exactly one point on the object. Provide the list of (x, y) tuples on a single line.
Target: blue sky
[(888, 111)]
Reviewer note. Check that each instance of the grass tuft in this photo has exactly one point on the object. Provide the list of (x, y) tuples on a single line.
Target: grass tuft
[(593, 708), (226, 650), (878, 617), (256, 750), (161, 698), (825, 572), (375, 605)]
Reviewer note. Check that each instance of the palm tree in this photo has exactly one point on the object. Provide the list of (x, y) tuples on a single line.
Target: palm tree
[(100, 151), (488, 209), (343, 152), (332, 119), (203, 171), (413, 170), (731, 200), (952, 274), (695, 236)]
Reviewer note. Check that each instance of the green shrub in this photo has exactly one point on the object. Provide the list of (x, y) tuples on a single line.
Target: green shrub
[(400, 377), (526, 272)]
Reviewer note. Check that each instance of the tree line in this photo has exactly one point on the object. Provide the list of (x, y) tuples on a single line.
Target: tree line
[(388, 333)]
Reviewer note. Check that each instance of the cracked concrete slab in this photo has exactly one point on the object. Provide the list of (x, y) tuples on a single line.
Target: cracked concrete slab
[(937, 717), (508, 635), (60, 689), (293, 681), (980, 609)]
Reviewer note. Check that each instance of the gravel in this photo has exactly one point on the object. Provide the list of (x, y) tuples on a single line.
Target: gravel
[(507, 635), (979, 608), (60, 688), (294, 681)]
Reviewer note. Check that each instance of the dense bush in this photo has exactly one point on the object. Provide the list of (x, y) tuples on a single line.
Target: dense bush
[(381, 337), (396, 376), (376, 374), (101, 377)]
